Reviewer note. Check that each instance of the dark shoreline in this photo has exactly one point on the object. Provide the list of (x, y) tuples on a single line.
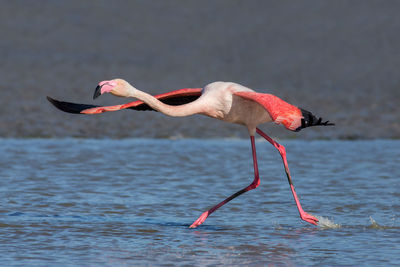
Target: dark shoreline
[(337, 59)]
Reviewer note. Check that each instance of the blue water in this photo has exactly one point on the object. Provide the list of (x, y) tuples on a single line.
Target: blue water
[(130, 202)]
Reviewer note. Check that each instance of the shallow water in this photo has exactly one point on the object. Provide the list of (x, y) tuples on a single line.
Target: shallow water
[(130, 202)]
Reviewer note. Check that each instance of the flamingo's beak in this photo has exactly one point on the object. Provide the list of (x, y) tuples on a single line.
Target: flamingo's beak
[(97, 92)]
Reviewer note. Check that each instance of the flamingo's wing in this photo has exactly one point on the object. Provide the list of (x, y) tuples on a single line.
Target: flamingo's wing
[(281, 112), (178, 97)]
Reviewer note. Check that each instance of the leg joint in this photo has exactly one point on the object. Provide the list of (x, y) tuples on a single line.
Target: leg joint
[(254, 184), (281, 149)]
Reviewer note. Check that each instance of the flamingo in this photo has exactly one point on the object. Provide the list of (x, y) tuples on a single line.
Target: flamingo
[(226, 101)]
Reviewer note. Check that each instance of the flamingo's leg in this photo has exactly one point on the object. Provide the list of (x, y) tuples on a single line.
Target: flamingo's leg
[(303, 215), (253, 185)]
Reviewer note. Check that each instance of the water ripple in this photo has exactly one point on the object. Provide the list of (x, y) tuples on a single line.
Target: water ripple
[(98, 203)]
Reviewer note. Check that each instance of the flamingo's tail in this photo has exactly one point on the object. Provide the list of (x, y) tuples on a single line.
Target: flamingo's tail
[(309, 120)]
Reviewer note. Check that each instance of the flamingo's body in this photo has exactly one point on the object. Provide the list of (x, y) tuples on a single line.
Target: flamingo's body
[(225, 101)]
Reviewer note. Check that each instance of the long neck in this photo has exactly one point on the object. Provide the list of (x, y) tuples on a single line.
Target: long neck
[(194, 107)]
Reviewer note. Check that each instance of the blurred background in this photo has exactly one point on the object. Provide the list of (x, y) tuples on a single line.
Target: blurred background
[(338, 59)]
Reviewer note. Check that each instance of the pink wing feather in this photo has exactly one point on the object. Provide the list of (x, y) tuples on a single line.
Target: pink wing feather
[(177, 97), (280, 111), (174, 95)]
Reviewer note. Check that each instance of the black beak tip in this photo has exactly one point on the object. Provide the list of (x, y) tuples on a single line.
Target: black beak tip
[(97, 92)]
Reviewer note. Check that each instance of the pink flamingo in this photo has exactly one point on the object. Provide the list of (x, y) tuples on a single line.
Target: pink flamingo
[(225, 101)]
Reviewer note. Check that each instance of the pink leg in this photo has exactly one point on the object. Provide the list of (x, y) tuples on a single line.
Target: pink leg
[(304, 215), (253, 185)]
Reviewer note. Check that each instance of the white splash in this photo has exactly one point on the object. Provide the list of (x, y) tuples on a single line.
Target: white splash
[(326, 223), (373, 222), (375, 225)]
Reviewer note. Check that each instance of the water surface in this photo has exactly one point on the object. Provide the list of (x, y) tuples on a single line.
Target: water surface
[(130, 202)]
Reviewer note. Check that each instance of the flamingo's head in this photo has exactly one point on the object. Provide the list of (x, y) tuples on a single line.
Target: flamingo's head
[(117, 87)]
